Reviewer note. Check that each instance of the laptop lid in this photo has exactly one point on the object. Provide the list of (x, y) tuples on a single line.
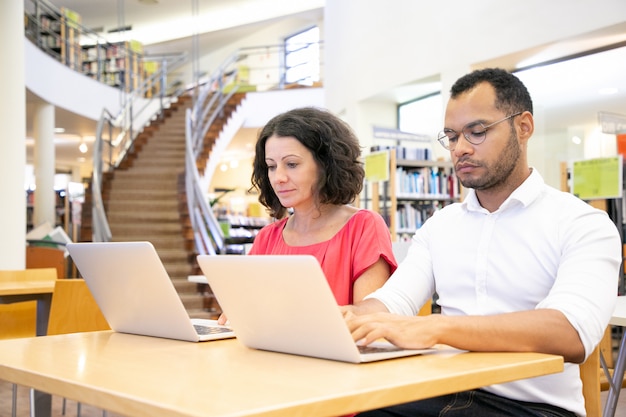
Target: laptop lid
[(135, 293), (283, 303)]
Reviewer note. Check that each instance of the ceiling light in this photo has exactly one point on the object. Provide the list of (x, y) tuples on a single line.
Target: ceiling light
[(59, 130), (576, 140), (82, 147)]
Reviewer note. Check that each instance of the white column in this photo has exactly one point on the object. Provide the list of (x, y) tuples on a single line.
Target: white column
[(13, 143), (43, 131)]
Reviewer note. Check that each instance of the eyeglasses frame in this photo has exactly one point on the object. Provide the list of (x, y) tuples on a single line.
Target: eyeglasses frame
[(440, 136)]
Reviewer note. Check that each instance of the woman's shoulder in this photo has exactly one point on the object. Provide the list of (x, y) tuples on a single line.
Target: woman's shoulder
[(366, 218), (365, 215)]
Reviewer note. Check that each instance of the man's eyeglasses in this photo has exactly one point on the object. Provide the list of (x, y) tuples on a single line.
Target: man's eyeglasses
[(474, 132)]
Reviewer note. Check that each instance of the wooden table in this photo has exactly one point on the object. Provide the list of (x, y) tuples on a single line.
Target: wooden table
[(145, 376), (39, 290), (618, 319)]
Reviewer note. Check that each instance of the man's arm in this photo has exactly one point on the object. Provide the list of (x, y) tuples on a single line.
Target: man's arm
[(542, 330)]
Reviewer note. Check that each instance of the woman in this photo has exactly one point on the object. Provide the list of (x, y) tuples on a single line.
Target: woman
[(307, 161)]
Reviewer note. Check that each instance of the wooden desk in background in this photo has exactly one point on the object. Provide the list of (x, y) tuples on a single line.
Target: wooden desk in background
[(144, 376), (41, 291)]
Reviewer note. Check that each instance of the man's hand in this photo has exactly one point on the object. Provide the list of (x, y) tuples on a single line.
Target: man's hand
[(415, 332)]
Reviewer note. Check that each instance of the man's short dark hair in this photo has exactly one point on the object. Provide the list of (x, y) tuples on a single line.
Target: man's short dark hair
[(511, 94)]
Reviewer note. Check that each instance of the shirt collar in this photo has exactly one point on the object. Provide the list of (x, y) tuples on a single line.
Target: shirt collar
[(525, 194)]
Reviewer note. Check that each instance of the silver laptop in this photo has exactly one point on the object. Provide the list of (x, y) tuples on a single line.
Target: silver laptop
[(283, 303), (135, 293)]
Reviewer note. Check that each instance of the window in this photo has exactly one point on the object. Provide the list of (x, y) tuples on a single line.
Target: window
[(302, 57), (423, 116)]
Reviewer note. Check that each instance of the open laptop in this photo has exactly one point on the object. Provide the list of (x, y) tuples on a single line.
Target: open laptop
[(135, 293), (283, 303)]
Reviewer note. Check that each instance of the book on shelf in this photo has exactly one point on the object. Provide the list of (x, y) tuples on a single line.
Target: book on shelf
[(426, 182)]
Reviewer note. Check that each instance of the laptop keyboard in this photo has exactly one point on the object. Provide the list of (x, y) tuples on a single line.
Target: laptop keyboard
[(377, 349), (204, 330)]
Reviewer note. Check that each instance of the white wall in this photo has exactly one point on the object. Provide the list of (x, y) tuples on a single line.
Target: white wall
[(375, 46)]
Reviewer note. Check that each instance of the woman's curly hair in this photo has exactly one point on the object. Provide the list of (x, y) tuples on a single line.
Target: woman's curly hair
[(335, 149)]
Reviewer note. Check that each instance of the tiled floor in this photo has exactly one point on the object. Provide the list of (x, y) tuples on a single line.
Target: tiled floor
[(90, 411)]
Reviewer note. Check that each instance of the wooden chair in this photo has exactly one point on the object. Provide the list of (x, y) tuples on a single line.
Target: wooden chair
[(46, 257), (591, 383), (594, 377), (73, 309)]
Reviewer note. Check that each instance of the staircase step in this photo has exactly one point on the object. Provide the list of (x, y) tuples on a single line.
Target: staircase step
[(156, 147), (143, 205), (176, 255), (159, 242), (156, 172), (183, 285), (141, 193), (136, 216), (145, 185), (147, 228), (160, 161), (192, 301)]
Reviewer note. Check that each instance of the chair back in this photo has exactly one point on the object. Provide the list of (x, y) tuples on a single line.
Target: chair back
[(46, 257), (590, 376), (74, 309)]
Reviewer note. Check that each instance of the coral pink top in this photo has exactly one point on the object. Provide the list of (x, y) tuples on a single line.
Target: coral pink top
[(357, 246)]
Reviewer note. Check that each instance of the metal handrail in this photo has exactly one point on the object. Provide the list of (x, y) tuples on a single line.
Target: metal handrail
[(209, 104), (100, 225), (208, 236)]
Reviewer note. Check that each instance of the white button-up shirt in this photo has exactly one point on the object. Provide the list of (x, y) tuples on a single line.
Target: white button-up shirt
[(542, 248)]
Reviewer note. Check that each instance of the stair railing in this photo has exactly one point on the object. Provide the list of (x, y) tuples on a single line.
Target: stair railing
[(207, 234), (209, 103)]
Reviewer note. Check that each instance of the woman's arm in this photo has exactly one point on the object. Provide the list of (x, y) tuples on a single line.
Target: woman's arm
[(370, 280)]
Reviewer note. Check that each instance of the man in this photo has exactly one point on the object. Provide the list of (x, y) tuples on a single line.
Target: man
[(517, 266)]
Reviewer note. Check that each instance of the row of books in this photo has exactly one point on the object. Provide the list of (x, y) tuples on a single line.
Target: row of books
[(52, 24), (414, 154), (410, 217), (428, 182), (406, 152)]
